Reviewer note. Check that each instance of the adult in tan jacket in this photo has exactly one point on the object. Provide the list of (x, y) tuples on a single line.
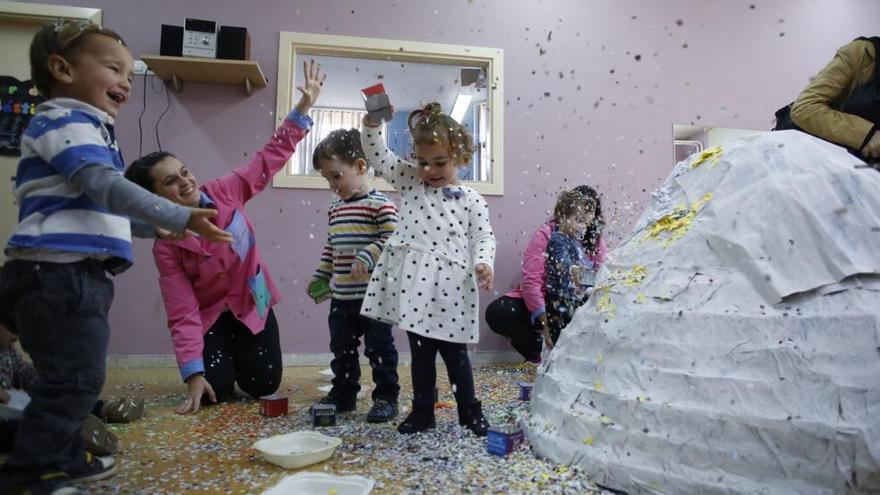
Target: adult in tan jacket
[(817, 108)]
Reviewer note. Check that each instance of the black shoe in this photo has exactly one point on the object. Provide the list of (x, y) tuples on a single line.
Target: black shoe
[(420, 419), (382, 411), (471, 417), (341, 407), (92, 469), (54, 483), (99, 440)]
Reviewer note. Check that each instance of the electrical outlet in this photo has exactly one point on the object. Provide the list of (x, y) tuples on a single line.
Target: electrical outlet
[(140, 67)]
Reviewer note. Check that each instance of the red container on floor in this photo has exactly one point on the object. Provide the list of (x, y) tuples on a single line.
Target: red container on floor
[(273, 405)]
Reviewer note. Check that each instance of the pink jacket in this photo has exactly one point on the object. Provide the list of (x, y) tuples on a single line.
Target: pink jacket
[(200, 279), (531, 289)]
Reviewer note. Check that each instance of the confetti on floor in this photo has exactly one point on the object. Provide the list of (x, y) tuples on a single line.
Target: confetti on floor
[(211, 452)]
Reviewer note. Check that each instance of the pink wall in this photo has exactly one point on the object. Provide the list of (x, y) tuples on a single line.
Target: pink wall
[(607, 120)]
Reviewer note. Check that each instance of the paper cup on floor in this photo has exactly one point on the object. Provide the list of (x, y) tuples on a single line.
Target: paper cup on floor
[(322, 483), (298, 449), (327, 374), (14, 409), (325, 389)]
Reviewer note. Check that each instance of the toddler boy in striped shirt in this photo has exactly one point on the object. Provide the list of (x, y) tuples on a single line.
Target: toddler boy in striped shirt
[(360, 222)]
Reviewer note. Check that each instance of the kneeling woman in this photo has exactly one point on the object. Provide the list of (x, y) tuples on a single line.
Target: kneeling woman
[(219, 297)]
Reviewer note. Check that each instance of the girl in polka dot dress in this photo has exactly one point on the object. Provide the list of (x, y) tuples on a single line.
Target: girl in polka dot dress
[(427, 277)]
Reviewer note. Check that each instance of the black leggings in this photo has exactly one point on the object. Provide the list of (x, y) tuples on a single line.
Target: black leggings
[(233, 354), (509, 317), (424, 371)]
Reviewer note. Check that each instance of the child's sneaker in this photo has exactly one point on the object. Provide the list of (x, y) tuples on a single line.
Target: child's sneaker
[(99, 440), (124, 410), (52, 483), (92, 468), (57, 483), (382, 411), (341, 407)]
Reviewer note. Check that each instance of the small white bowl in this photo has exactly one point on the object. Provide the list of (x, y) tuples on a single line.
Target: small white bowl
[(297, 449), (322, 484)]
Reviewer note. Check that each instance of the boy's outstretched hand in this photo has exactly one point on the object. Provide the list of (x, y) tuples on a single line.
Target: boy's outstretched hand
[(200, 223), (484, 276), (167, 235), (314, 77)]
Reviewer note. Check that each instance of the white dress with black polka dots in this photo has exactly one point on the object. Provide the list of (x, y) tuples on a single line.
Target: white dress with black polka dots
[(424, 281)]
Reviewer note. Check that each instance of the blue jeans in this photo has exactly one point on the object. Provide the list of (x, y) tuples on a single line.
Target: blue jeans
[(60, 313), (347, 326)]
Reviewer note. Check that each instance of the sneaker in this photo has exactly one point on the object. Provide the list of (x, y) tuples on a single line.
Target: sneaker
[(92, 469), (56, 483), (52, 483), (382, 411), (124, 410), (341, 407), (99, 440)]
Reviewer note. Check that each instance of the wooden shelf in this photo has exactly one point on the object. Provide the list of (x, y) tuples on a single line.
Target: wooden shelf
[(178, 70)]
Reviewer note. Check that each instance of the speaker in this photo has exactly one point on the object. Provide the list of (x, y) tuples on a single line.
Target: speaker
[(171, 43), (234, 43)]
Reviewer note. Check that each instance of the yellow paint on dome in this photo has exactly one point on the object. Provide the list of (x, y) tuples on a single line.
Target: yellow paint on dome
[(677, 223), (604, 305), (635, 276), (712, 155)]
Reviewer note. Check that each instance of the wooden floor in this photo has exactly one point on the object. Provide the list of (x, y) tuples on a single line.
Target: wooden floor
[(211, 452)]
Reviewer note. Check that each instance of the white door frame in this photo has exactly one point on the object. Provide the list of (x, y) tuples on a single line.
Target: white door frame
[(28, 16), (38, 13)]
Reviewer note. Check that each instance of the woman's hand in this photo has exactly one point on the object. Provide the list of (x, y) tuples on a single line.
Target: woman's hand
[(4, 397), (196, 387), (484, 276), (314, 77), (872, 148)]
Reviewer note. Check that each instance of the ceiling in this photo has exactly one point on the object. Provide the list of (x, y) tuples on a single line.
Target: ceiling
[(407, 84)]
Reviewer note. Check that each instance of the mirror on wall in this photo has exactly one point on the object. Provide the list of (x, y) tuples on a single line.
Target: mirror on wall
[(466, 81)]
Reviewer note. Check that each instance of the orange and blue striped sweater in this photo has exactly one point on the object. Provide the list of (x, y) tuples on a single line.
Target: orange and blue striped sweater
[(358, 229)]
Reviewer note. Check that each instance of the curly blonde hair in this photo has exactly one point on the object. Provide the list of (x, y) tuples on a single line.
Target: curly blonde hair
[(429, 125), (62, 37)]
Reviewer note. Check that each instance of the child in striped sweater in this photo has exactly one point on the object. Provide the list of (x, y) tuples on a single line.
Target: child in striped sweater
[(360, 222)]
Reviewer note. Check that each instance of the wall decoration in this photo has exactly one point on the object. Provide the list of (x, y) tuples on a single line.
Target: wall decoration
[(18, 102)]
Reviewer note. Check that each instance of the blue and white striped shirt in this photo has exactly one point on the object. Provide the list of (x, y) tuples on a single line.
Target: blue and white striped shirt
[(55, 215)]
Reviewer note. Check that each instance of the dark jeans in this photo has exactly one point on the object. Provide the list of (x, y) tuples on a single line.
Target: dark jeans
[(424, 370), (347, 326), (9, 429), (509, 317), (60, 313), (232, 353)]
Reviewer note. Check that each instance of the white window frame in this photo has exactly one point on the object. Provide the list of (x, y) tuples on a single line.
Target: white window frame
[(292, 44)]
